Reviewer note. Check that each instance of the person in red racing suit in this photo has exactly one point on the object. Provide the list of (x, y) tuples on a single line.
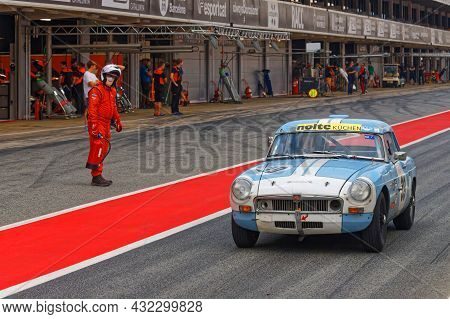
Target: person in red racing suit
[(102, 108)]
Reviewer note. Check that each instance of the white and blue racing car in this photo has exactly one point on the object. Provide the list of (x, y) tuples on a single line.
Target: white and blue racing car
[(327, 176)]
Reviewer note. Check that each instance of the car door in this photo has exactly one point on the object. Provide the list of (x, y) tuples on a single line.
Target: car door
[(399, 183)]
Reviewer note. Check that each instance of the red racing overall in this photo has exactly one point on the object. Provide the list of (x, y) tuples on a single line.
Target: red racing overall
[(102, 108)]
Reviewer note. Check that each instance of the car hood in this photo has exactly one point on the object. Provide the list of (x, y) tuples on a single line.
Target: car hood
[(314, 176)]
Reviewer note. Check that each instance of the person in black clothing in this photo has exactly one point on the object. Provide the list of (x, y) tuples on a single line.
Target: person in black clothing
[(78, 70), (412, 74), (351, 72), (160, 82), (66, 80), (421, 74), (176, 77)]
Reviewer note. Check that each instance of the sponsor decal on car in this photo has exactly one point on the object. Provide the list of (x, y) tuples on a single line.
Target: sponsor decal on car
[(330, 127)]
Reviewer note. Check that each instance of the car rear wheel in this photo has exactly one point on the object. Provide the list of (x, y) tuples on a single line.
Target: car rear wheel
[(374, 236), (243, 238), (405, 220)]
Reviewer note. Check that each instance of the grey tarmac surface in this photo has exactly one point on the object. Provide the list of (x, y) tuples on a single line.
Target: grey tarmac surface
[(203, 262)]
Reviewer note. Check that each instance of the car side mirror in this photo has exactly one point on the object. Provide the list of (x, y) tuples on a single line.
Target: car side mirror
[(270, 141), (400, 156)]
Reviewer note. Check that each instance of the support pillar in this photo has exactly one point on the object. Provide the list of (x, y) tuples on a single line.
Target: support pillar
[(289, 66), (133, 72), (326, 47), (390, 14), (21, 108), (410, 17), (391, 53), (240, 88), (85, 39), (209, 94), (402, 56), (49, 67), (343, 55), (109, 55)]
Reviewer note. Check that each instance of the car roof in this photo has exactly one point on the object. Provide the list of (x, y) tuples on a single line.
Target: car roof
[(336, 123)]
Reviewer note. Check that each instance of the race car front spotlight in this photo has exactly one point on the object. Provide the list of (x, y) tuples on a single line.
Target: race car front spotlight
[(359, 190), (241, 188), (327, 176)]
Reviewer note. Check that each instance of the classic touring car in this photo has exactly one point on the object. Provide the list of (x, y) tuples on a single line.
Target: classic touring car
[(327, 176)]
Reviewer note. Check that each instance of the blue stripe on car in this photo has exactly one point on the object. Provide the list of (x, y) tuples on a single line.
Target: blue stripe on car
[(341, 169), (245, 220), (355, 222)]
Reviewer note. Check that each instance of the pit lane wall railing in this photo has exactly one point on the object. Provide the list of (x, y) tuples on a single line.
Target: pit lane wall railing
[(261, 14)]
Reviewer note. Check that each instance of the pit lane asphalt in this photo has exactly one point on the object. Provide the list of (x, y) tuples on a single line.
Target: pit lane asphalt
[(203, 261)]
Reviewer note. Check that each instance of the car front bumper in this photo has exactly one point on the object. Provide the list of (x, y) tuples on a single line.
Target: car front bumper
[(303, 223)]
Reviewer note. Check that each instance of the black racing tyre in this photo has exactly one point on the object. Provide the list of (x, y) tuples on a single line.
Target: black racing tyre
[(243, 238), (405, 220), (374, 236)]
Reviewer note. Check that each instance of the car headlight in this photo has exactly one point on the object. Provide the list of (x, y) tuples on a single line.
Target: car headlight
[(360, 190), (241, 188)]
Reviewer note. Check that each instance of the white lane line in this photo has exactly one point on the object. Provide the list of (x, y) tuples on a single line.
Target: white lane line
[(68, 210), (89, 262)]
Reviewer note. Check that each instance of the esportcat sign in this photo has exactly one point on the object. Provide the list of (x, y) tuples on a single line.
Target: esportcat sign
[(347, 127), (212, 10)]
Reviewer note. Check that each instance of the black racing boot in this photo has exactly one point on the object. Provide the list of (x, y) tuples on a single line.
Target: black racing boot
[(100, 181)]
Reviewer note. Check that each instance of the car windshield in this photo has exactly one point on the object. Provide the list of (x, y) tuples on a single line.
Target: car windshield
[(390, 70), (328, 144)]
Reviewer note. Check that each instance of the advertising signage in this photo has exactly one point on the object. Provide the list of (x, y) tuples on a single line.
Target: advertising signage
[(140, 6), (272, 15), (172, 8), (212, 10), (245, 12), (80, 3)]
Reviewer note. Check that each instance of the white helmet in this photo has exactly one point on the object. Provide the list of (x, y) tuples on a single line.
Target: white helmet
[(111, 69)]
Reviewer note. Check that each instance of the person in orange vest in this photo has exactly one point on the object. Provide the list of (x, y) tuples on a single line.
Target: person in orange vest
[(176, 77), (102, 109), (160, 81)]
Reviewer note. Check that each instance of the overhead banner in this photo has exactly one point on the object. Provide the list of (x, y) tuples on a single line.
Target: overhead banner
[(338, 23), (273, 15), (307, 18), (172, 8), (245, 12), (140, 6), (212, 10), (83, 3)]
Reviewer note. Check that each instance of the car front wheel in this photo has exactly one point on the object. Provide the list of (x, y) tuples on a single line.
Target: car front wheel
[(243, 238), (374, 236)]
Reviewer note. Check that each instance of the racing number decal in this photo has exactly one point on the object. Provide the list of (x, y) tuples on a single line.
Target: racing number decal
[(402, 185)]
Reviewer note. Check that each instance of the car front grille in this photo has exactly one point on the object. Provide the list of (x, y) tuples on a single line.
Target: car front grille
[(305, 205), (312, 225), (283, 224)]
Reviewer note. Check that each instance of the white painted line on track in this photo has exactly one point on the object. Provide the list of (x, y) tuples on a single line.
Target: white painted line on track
[(89, 262)]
